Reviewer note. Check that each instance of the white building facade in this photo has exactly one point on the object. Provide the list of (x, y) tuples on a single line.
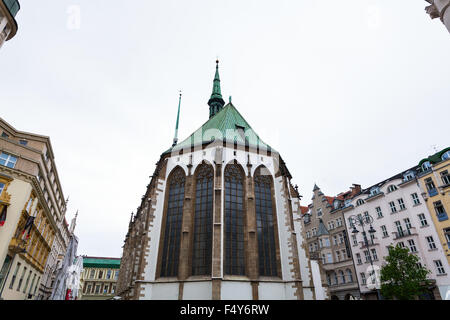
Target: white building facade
[(400, 217)]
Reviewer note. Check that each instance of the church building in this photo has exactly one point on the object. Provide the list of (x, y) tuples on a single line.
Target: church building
[(219, 220)]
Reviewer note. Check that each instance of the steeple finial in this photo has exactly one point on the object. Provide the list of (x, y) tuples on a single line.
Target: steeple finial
[(175, 139), (216, 102)]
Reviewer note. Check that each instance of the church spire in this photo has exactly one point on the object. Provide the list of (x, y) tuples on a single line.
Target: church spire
[(175, 139), (216, 102)]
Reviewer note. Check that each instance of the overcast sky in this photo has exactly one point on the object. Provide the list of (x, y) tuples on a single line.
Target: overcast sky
[(347, 91)]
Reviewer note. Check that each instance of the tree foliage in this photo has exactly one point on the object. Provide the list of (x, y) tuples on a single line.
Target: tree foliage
[(402, 278)]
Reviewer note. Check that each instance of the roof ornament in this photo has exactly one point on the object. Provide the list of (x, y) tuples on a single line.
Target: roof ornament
[(175, 139)]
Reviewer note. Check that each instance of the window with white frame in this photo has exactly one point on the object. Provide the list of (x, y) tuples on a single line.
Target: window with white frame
[(355, 242), (344, 254), (323, 258), (445, 177), (358, 258), (339, 222), (314, 231), (408, 176), (393, 207), (326, 242), (341, 238), (407, 223), (445, 155), (374, 254), (412, 245), (401, 244), (7, 160), (423, 220), (311, 249), (359, 202), (316, 246), (330, 225), (431, 243), (392, 188), (426, 166), (415, 198), (367, 255), (363, 277), (335, 240), (401, 204), (384, 231), (440, 211), (379, 212), (439, 267), (398, 225), (320, 243), (338, 256)]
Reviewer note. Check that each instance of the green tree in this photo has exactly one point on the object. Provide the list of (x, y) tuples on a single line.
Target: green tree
[(402, 278)]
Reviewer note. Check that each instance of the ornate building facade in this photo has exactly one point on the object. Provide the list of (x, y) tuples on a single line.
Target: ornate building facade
[(327, 241), (8, 24), (434, 182), (32, 211), (219, 220), (398, 216), (99, 278)]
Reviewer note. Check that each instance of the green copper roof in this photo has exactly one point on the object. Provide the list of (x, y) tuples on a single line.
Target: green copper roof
[(90, 262), (226, 125), (13, 6), (435, 158), (216, 93)]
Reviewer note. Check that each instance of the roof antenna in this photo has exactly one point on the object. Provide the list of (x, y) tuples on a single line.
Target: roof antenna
[(175, 139)]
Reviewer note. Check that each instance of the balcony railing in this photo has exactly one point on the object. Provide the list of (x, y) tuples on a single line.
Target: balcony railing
[(432, 192), (404, 233), (442, 216)]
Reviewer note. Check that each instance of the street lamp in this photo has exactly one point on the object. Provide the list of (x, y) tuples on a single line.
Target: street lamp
[(364, 221)]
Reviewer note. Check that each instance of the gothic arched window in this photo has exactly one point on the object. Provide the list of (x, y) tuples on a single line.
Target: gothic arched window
[(234, 221), (203, 219), (265, 223), (172, 230)]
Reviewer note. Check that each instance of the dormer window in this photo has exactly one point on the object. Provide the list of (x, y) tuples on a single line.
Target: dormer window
[(445, 156), (336, 204), (347, 202), (359, 202), (23, 142), (5, 135), (392, 188), (408, 176), (241, 131), (426, 166), (374, 191)]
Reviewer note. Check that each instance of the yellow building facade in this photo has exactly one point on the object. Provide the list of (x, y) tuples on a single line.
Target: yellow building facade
[(99, 278), (434, 181), (31, 207)]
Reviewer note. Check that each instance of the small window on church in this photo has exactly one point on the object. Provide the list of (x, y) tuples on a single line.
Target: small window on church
[(241, 131)]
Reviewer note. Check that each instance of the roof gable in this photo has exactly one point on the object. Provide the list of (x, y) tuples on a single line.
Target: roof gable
[(224, 126)]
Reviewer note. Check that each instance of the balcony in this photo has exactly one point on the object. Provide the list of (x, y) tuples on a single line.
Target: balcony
[(405, 233), (442, 216), (371, 243), (432, 192)]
